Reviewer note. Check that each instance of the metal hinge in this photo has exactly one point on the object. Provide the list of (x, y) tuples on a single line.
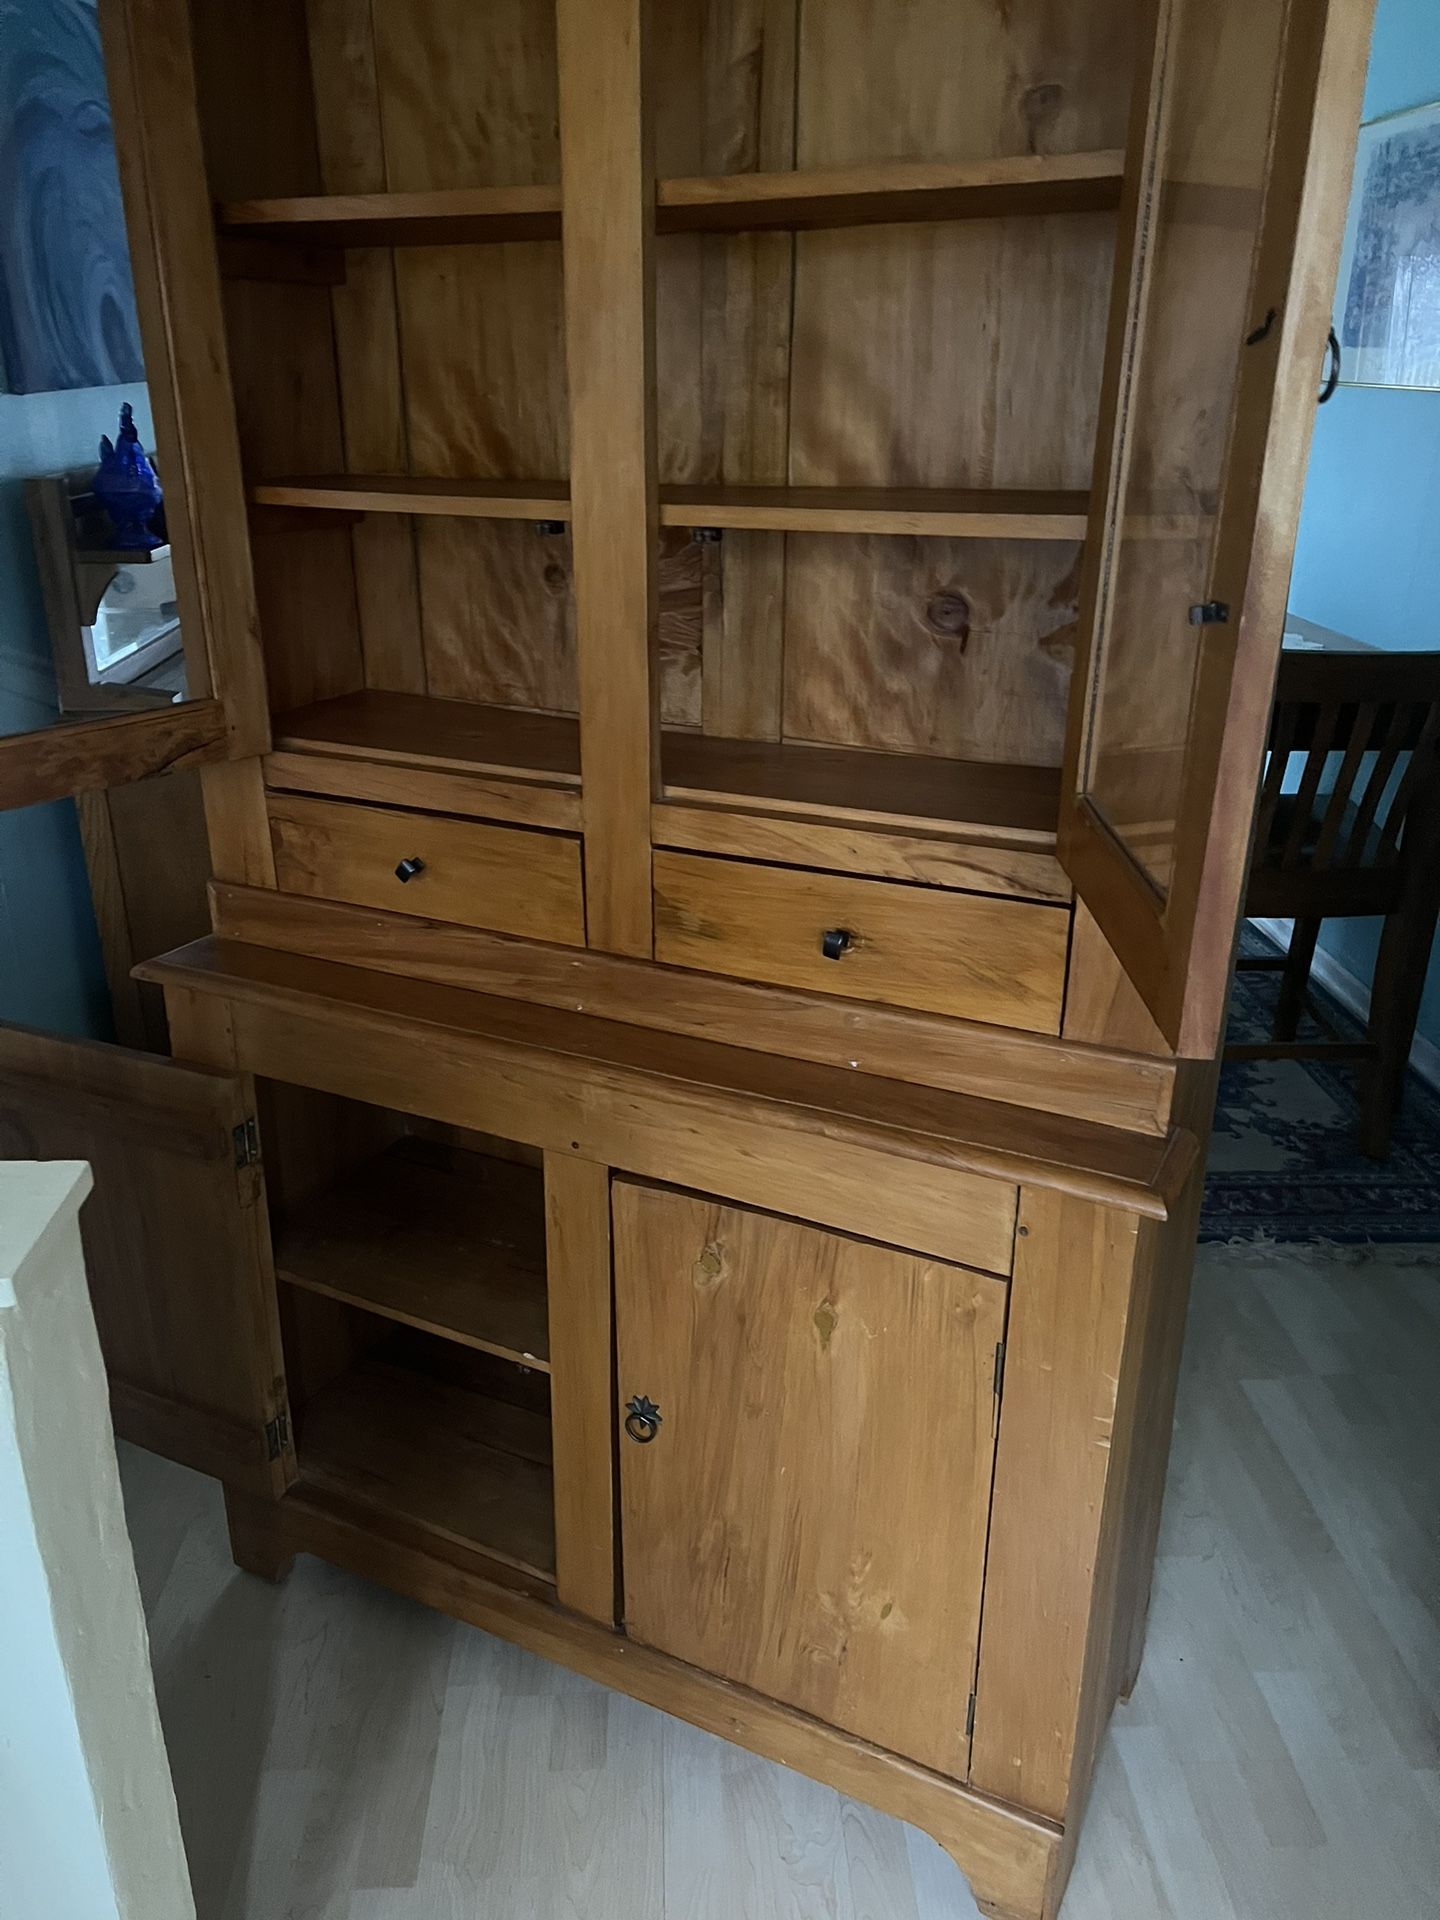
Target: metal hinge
[(970, 1716), (277, 1436), (1210, 613), (247, 1143), (999, 1367)]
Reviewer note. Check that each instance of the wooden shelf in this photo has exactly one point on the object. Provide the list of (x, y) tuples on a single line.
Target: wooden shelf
[(479, 215), (454, 734), (936, 513), (930, 513), (434, 1237), (894, 192), (984, 799), (443, 1458), (403, 493)]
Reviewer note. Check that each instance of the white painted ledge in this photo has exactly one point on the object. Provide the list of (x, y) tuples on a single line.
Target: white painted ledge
[(88, 1827)]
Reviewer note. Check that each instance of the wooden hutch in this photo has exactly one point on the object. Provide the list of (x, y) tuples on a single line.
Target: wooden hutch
[(733, 554)]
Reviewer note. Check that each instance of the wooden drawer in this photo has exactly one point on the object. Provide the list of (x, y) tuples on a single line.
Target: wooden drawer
[(957, 953), (502, 878)]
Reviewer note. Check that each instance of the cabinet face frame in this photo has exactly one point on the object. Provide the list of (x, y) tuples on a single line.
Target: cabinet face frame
[(1176, 945)]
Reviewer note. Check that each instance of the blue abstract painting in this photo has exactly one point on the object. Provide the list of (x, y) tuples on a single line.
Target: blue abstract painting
[(67, 301), (1390, 270)]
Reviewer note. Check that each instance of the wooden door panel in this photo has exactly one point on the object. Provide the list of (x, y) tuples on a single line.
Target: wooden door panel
[(176, 1244), (810, 1518), (1238, 168)]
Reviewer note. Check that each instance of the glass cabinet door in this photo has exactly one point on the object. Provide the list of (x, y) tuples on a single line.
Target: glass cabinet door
[(1234, 207)]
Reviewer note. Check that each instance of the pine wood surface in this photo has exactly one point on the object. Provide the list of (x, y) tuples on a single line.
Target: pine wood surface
[(440, 1457), (168, 1202), (460, 734), (926, 858), (498, 877), (952, 953), (1274, 1755), (739, 202), (276, 1000), (450, 1242), (397, 782), (1104, 1082), (578, 1283), (831, 1562)]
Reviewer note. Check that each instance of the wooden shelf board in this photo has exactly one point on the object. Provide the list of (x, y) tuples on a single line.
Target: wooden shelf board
[(405, 493), (1019, 805), (889, 193), (435, 1456), (455, 734), (937, 513), (434, 1237), (932, 513), (892, 192), (441, 218)]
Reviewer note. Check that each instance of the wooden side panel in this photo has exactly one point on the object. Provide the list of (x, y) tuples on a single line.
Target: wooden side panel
[(176, 1243), (1065, 1344), (810, 1519), (609, 191), (577, 1278)]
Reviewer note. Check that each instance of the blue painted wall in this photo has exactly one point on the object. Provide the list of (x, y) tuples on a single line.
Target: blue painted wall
[(50, 969), (1368, 557)]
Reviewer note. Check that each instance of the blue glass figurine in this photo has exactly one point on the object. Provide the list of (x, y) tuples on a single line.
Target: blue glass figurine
[(126, 487)]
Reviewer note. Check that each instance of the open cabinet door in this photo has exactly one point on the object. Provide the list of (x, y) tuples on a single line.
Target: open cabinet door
[(1240, 160), (177, 1244)]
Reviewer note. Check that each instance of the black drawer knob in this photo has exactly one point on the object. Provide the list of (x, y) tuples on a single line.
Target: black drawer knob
[(836, 943), (408, 869), (642, 1419)]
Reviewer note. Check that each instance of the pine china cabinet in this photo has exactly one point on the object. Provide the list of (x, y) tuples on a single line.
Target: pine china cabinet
[(733, 555)]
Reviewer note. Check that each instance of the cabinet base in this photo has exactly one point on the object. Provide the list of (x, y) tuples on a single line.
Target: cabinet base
[(1011, 1859)]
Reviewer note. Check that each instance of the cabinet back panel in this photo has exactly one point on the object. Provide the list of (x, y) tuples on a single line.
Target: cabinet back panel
[(960, 354), (960, 79), (469, 94), (959, 648)]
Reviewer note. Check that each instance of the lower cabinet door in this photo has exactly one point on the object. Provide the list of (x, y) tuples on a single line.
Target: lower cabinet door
[(806, 1460)]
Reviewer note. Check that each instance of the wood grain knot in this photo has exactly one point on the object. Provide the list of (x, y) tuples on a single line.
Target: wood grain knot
[(949, 614)]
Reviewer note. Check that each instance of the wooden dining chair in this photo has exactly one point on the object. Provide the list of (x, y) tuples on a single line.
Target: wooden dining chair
[(1349, 826)]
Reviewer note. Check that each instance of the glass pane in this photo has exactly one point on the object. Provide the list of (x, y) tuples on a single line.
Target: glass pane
[(88, 624), (1220, 77)]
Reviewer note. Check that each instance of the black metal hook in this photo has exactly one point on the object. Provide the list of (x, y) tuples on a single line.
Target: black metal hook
[(1332, 377)]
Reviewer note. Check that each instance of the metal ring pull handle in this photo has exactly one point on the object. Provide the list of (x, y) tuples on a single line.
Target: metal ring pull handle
[(642, 1419), (1332, 376)]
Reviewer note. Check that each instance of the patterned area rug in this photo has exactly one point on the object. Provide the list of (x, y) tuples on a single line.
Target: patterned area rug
[(1284, 1166)]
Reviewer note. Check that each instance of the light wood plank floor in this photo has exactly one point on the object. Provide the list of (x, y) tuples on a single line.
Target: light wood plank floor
[(340, 1754)]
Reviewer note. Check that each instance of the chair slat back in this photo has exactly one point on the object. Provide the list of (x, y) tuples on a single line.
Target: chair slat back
[(1365, 728)]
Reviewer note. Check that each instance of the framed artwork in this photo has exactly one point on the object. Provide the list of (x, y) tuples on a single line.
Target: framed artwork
[(67, 301), (1389, 291)]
